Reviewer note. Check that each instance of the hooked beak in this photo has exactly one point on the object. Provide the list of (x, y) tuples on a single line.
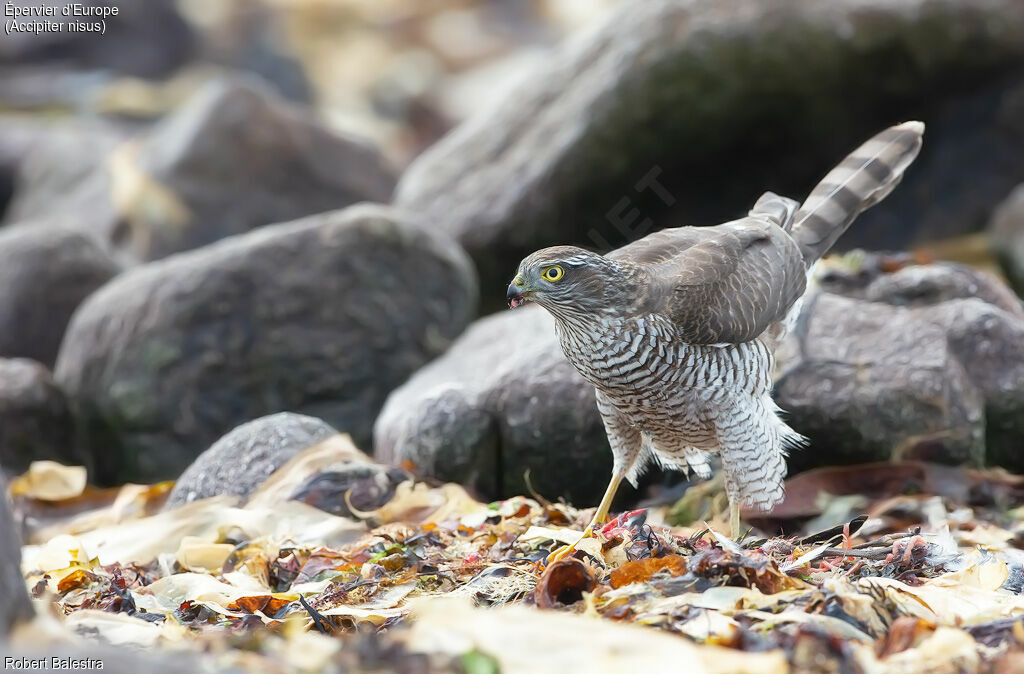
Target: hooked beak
[(516, 294)]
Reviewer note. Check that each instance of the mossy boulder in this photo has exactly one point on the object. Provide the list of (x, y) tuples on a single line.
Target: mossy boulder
[(322, 316)]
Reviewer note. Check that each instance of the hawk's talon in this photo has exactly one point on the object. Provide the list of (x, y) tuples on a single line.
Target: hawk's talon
[(566, 550), (734, 523)]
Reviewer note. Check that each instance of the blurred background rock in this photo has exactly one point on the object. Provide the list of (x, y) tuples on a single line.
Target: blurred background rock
[(491, 128), (399, 73)]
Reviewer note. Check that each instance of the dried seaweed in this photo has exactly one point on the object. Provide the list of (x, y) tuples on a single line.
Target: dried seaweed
[(921, 578)]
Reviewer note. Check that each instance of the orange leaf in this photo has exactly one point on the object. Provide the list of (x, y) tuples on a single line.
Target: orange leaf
[(264, 603), (641, 570), (904, 633), (76, 578)]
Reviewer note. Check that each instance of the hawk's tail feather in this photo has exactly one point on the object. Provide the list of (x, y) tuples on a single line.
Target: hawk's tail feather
[(857, 183)]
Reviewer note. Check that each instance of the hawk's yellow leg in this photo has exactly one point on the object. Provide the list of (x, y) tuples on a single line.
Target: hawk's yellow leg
[(734, 521), (599, 518)]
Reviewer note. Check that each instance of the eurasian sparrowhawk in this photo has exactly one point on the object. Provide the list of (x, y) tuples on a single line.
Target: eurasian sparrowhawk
[(676, 330)]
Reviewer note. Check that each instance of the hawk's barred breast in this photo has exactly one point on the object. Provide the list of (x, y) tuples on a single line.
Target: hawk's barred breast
[(681, 396)]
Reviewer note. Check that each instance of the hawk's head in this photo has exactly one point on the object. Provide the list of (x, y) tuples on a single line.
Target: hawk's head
[(565, 279)]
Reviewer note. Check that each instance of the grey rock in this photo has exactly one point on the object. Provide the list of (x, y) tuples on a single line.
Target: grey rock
[(975, 132), (926, 362), (989, 342), (146, 40), (241, 460), (52, 163), (45, 273), (35, 420), (322, 316), (922, 285), (18, 136), (46, 157), (16, 604), (1007, 232), (436, 424), (234, 158), (502, 401), (252, 37), (244, 458), (50, 87), (675, 112), (363, 486), (897, 279), (865, 381)]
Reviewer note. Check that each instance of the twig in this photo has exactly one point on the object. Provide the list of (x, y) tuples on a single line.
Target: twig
[(849, 552), (318, 619), (853, 525), (887, 539), (533, 492)]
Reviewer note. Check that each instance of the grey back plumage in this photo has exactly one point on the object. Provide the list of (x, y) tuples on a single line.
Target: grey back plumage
[(727, 284), (723, 284)]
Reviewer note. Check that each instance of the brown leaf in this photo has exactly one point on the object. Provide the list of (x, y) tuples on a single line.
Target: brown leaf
[(322, 560), (393, 562), (641, 570), (905, 632), (884, 479), (564, 583), (76, 578), (1008, 663)]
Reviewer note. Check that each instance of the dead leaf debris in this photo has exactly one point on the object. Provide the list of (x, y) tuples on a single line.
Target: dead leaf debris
[(924, 578)]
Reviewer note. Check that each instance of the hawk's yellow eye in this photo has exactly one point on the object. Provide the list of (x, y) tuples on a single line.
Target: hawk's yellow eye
[(553, 273)]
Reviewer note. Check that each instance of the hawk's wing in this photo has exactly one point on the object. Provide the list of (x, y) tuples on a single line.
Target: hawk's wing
[(727, 284), (722, 284)]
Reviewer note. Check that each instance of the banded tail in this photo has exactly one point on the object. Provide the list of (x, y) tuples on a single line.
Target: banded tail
[(865, 177)]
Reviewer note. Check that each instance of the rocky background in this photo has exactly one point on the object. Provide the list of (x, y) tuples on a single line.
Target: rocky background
[(232, 228)]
